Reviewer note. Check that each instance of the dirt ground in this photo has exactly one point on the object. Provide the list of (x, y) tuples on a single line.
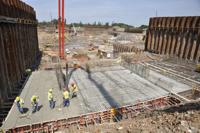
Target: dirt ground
[(181, 119), (82, 47)]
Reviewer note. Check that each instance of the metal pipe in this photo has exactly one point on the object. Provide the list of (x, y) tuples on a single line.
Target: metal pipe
[(59, 29), (63, 27)]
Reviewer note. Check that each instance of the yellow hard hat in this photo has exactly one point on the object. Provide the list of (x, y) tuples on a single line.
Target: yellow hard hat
[(17, 98), (50, 90)]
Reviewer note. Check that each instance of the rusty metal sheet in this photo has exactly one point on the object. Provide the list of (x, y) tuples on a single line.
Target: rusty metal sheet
[(176, 36)]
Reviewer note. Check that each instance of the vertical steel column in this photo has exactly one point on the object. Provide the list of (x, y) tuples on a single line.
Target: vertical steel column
[(59, 29), (63, 27)]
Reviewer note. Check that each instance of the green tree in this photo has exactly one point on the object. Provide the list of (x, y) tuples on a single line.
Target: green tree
[(99, 24), (107, 24), (54, 21), (143, 27), (80, 24)]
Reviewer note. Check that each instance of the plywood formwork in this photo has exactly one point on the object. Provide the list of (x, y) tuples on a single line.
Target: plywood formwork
[(18, 44), (174, 36)]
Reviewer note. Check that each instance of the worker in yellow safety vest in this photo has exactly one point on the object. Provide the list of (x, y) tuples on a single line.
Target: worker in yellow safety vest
[(73, 90), (50, 98), (34, 102), (66, 101), (20, 103)]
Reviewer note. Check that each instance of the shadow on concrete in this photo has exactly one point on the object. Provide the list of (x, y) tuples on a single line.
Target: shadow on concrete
[(60, 77), (183, 108), (68, 77), (25, 110), (39, 107), (112, 102)]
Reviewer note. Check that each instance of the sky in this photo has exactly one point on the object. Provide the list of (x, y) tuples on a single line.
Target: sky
[(132, 12)]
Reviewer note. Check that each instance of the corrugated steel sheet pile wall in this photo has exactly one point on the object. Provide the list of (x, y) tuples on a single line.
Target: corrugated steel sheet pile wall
[(18, 44), (175, 36)]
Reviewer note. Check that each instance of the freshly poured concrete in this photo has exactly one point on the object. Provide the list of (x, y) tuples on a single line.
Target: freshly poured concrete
[(103, 88)]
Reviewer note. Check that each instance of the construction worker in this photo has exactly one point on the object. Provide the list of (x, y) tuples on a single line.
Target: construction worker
[(66, 101), (20, 103), (34, 102), (50, 98), (28, 71), (73, 90)]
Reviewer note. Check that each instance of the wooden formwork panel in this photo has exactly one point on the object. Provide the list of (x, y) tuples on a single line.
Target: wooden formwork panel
[(175, 36)]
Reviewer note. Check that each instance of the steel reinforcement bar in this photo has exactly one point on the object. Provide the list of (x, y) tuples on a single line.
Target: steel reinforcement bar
[(174, 36), (112, 114), (120, 48), (18, 46)]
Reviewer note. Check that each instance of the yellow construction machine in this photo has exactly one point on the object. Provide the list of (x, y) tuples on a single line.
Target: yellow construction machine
[(197, 69)]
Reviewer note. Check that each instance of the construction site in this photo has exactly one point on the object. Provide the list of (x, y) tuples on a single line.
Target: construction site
[(127, 82)]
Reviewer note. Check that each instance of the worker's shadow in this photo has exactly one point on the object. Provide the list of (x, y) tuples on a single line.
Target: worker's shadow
[(39, 107), (113, 103), (25, 110), (68, 77)]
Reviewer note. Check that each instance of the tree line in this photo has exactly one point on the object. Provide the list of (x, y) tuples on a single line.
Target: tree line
[(81, 24)]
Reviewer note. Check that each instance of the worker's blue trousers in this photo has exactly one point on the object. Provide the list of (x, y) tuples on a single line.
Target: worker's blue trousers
[(35, 107), (21, 110), (51, 104), (66, 102)]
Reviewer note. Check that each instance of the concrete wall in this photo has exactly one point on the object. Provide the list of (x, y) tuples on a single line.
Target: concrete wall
[(18, 44), (156, 78), (174, 36)]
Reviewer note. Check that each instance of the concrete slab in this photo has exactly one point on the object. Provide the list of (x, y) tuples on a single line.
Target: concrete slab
[(103, 88), (38, 84)]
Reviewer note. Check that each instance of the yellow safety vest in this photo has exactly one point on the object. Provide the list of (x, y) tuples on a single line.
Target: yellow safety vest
[(33, 99), (50, 96), (21, 102), (66, 95)]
